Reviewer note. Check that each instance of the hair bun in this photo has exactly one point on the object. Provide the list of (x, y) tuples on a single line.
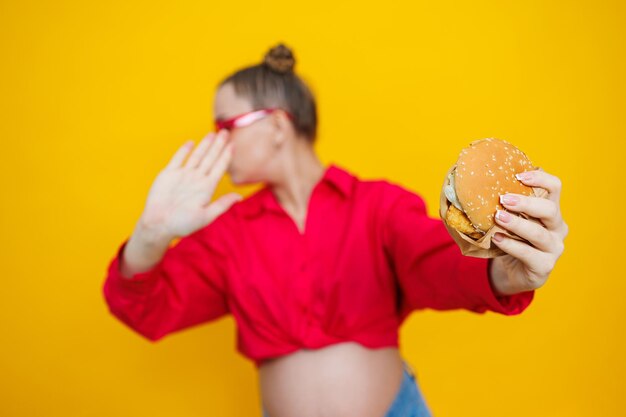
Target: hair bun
[(280, 59)]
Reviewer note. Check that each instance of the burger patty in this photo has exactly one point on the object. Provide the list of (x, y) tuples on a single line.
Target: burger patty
[(458, 220)]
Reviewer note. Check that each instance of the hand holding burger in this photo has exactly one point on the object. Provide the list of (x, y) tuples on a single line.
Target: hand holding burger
[(494, 194)]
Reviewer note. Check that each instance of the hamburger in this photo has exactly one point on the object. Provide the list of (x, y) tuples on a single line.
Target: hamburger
[(484, 170)]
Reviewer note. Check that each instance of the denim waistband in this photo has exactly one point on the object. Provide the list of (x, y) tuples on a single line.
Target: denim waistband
[(409, 368)]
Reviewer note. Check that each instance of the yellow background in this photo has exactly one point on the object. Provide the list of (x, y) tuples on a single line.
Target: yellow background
[(96, 97)]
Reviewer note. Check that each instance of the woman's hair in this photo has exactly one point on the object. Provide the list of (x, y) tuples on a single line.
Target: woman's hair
[(273, 83)]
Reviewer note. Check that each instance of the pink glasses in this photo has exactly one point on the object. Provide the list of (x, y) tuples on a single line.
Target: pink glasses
[(246, 119)]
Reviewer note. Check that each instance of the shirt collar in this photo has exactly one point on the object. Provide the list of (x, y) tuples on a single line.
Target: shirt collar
[(338, 178)]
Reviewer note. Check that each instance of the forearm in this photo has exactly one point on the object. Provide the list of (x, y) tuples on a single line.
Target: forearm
[(144, 249)]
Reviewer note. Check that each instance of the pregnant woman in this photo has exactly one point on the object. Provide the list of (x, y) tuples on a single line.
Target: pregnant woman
[(319, 267)]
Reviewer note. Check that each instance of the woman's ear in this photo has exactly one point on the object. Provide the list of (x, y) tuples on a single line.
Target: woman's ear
[(281, 120), (283, 127)]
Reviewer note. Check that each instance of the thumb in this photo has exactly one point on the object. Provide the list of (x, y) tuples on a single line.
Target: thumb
[(222, 204)]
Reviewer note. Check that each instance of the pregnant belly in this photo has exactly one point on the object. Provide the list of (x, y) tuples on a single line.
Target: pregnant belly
[(340, 380)]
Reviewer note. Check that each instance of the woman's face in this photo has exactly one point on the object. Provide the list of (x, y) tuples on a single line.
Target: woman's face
[(254, 150)]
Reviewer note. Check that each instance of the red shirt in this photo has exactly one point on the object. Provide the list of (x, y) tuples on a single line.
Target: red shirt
[(369, 256)]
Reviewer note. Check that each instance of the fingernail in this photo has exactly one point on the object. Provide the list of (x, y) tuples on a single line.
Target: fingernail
[(524, 176), (503, 216), (509, 199), (498, 237)]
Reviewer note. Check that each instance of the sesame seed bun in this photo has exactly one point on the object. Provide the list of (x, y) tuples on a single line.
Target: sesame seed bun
[(485, 170)]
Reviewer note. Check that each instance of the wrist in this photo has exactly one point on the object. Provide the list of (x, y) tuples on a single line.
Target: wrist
[(499, 279), (152, 233)]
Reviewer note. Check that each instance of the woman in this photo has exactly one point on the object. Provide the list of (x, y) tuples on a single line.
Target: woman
[(319, 268)]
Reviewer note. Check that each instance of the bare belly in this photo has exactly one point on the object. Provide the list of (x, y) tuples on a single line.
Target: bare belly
[(340, 380)]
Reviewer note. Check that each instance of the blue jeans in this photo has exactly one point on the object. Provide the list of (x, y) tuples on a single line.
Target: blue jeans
[(408, 402)]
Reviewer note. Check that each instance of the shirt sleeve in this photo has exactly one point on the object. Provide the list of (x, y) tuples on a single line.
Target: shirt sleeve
[(430, 268), (187, 287)]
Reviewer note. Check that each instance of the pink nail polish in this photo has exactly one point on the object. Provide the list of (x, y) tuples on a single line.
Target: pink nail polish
[(503, 216), (509, 199)]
